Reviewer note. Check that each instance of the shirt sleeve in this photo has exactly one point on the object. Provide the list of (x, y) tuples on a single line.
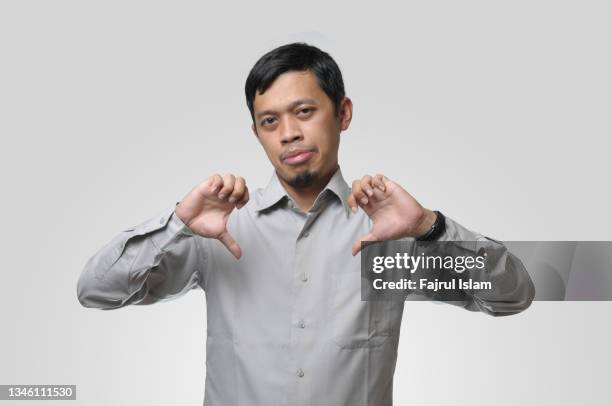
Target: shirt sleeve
[(511, 288), (157, 260)]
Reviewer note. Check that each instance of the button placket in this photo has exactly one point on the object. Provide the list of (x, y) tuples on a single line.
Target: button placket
[(310, 219), (299, 324)]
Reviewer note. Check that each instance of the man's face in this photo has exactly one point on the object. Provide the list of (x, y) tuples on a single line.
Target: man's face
[(296, 125)]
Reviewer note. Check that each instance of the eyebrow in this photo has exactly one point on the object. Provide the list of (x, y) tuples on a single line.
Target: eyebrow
[(291, 106)]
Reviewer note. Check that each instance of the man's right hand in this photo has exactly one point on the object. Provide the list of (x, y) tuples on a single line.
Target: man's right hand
[(206, 209)]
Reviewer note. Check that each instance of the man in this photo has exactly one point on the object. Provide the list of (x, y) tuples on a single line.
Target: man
[(285, 321)]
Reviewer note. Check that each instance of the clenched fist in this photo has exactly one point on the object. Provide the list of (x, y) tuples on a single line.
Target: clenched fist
[(206, 209)]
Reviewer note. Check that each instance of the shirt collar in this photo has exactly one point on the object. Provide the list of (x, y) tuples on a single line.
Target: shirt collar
[(274, 192)]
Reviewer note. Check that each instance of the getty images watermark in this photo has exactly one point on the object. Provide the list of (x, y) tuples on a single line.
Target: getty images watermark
[(411, 263), (439, 270), (393, 270)]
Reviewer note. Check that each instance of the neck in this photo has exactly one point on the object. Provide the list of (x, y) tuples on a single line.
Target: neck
[(305, 197)]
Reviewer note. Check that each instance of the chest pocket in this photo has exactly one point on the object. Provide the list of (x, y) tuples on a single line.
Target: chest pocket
[(356, 323)]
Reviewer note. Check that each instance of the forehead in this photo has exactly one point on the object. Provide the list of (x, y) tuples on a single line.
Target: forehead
[(288, 87)]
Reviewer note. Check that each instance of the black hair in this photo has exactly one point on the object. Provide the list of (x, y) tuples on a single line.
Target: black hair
[(297, 56)]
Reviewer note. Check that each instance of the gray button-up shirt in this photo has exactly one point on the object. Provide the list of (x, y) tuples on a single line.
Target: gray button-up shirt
[(286, 323)]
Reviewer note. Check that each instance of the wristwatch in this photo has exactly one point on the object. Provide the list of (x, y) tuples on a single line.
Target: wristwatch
[(436, 230)]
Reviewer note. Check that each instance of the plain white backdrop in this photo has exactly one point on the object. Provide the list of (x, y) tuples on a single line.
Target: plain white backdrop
[(496, 113)]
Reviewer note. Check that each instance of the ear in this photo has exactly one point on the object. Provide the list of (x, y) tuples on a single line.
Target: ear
[(346, 113), (255, 131)]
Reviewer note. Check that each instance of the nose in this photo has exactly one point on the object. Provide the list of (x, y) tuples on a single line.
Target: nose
[(290, 131)]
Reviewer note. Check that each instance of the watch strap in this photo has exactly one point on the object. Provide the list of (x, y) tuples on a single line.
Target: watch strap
[(436, 230)]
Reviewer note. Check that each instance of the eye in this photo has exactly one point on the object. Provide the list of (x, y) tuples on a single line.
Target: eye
[(306, 111), (267, 121)]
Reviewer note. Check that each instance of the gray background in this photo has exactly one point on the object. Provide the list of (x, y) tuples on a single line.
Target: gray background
[(112, 111)]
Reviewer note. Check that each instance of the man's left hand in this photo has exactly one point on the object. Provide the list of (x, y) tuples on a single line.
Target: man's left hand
[(394, 212)]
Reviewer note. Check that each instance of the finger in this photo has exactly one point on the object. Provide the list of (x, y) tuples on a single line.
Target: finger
[(378, 195), (352, 202), (230, 244), (228, 186), (245, 198), (378, 182), (366, 185), (386, 181), (212, 184), (238, 190), (357, 245), (360, 196)]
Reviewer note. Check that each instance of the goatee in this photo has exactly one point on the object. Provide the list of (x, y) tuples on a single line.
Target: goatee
[(303, 180)]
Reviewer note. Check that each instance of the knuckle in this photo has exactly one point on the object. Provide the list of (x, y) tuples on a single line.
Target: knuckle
[(213, 179)]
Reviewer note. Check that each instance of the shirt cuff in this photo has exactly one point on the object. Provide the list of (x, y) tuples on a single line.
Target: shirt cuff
[(169, 229)]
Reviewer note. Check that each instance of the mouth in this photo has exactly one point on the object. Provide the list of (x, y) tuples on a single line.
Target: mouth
[(297, 157)]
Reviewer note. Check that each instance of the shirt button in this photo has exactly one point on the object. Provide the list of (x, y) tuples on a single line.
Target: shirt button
[(302, 324), (161, 220), (300, 373), (304, 278), (305, 235)]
